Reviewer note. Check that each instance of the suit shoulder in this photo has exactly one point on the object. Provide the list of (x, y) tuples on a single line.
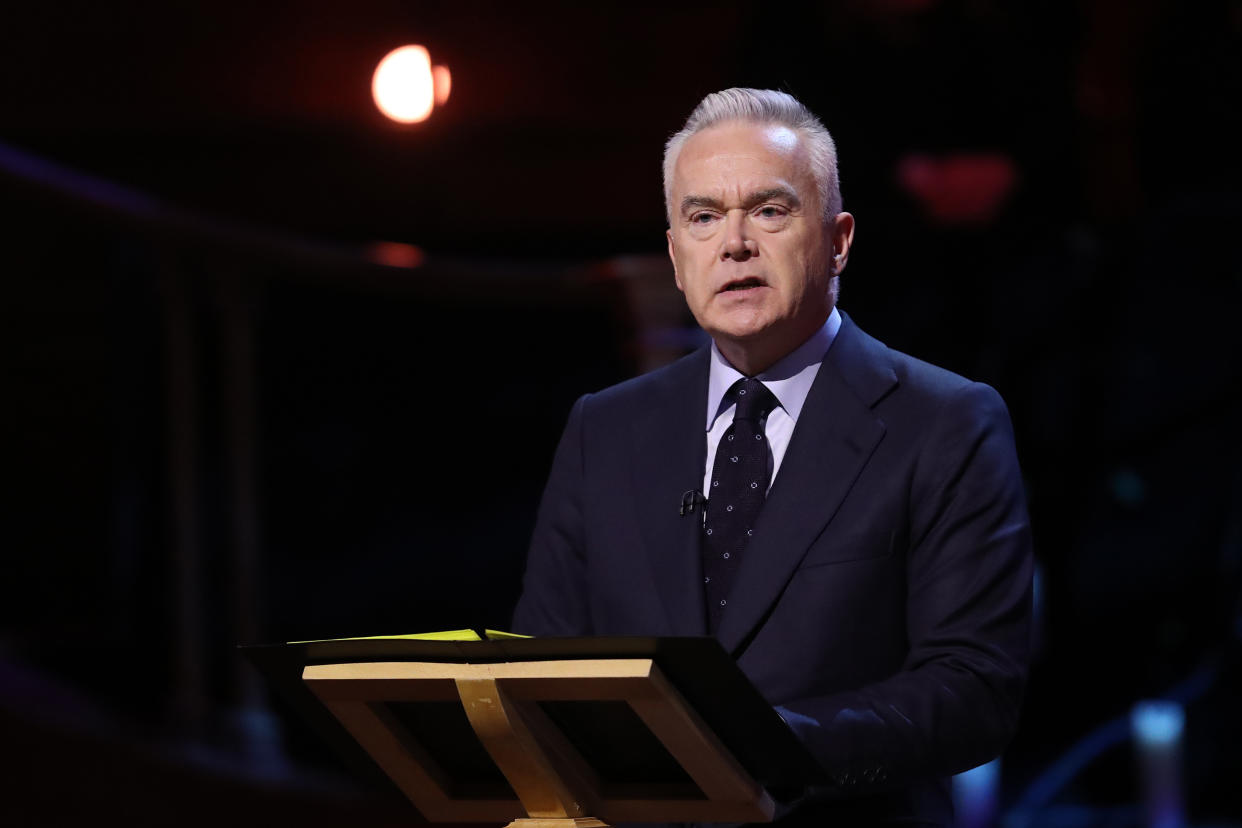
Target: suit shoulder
[(915, 373), (927, 387)]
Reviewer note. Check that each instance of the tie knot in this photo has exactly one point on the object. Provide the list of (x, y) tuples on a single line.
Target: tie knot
[(753, 399)]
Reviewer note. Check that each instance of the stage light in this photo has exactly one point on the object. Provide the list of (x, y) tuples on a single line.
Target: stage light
[(403, 86), (1157, 727), (395, 254), (1157, 724), (443, 82), (976, 795)]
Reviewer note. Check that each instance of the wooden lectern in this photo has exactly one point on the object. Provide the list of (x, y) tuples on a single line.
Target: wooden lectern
[(552, 733)]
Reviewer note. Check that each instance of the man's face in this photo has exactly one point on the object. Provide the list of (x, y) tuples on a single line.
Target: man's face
[(750, 249)]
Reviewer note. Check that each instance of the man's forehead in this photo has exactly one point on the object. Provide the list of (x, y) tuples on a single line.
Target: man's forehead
[(781, 137), (741, 137), (742, 154)]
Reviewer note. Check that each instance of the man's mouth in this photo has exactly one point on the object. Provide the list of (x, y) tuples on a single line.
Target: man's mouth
[(743, 284)]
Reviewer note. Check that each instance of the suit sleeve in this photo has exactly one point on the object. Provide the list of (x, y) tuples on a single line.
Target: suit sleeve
[(954, 704), (554, 588)]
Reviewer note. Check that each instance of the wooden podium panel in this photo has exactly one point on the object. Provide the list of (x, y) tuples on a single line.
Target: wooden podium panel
[(563, 732), (544, 768)]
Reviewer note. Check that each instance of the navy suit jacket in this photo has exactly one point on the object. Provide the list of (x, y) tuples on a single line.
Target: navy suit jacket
[(884, 601)]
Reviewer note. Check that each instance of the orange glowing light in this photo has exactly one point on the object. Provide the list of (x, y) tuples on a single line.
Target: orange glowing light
[(443, 83), (402, 85)]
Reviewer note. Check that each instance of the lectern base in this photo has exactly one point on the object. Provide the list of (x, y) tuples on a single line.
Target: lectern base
[(580, 822)]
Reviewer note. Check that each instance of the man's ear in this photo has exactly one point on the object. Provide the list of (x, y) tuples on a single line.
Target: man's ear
[(842, 231), (672, 255)]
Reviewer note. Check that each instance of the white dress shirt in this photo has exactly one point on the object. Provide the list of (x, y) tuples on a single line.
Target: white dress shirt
[(789, 380)]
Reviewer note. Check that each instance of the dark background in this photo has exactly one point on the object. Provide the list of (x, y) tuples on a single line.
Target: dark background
[(230, 415)]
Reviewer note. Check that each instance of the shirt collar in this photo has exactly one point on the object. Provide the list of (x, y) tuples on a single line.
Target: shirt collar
[(789, 379)]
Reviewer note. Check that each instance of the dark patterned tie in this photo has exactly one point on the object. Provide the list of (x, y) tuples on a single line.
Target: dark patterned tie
[(738, 486)]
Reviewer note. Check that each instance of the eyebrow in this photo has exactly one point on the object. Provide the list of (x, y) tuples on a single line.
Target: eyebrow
[(786, 194)]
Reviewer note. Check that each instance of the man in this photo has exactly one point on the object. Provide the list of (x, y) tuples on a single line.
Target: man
[(879, 595)]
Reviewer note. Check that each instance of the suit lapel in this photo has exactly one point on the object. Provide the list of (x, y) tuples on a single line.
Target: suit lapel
[(669, 451), (836, 434)]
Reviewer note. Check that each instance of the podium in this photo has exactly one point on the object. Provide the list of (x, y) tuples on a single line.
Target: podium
[(550, 732)]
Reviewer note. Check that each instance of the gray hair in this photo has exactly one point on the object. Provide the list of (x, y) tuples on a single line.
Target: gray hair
[(762, 106)]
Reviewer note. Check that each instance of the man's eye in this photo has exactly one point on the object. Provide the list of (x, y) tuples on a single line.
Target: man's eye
[(701, 218), (770, 211)]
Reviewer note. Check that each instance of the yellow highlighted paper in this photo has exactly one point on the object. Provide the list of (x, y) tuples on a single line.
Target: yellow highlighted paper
[(445, 635)]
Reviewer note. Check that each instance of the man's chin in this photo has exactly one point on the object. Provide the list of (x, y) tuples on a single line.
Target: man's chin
[(742, 337), (738, 328)]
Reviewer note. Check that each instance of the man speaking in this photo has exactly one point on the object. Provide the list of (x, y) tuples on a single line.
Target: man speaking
[(863, 552)]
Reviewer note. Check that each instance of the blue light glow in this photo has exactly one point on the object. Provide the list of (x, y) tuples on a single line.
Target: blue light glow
[(1157, 722)]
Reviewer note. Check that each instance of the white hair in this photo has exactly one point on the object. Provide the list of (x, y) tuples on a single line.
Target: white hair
[(762, 106)]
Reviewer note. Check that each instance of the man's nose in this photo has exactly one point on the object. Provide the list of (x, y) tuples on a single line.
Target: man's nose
[(738, 245)]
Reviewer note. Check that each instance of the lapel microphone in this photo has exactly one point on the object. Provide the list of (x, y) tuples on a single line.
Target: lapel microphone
[(692, 499)]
